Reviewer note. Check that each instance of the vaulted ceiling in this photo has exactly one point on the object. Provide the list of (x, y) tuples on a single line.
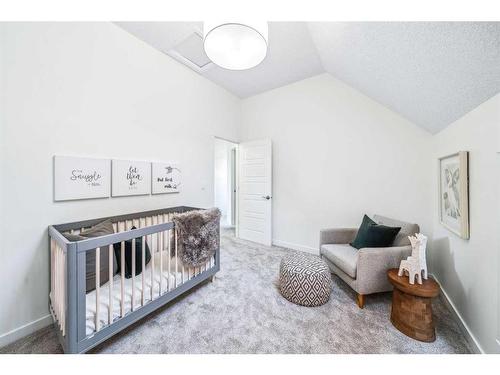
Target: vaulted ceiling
[(432, 73)]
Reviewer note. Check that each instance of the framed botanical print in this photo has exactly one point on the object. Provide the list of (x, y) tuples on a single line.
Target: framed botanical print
[(454, 193)]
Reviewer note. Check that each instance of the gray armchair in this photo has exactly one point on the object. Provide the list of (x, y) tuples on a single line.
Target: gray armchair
[(365, 270)]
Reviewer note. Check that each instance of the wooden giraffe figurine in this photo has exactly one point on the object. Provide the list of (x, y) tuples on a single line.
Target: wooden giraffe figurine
[(416, 264)]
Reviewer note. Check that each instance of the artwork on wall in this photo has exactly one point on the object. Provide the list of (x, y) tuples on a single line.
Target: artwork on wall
[(130, 177), (166, 178), (454, 193), (81, 178)]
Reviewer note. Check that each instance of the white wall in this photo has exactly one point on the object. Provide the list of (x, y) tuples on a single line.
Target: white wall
[(336, 155), (469, 270), (90, 89)]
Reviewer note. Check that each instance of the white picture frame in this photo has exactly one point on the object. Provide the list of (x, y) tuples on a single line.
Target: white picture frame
[(81, 178), (130, 177), (454, 193), (165, 178)]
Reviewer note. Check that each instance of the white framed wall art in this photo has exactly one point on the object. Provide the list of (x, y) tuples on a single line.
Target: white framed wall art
[(166, 178), (81, 178), (454, 193), (130, 177)]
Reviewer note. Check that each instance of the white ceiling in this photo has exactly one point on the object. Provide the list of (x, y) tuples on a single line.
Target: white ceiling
[(291, 57), (430, 73)]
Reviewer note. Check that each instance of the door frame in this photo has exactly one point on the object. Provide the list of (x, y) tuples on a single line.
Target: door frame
[(234, 192), (236, 178)]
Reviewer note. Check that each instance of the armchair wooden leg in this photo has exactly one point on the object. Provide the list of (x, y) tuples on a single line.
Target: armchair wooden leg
[(360, 299)]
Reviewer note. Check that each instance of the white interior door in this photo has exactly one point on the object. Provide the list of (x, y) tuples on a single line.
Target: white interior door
[(255, 191)]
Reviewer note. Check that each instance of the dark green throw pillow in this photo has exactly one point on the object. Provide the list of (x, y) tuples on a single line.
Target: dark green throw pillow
[(371, 234), (128, 256)]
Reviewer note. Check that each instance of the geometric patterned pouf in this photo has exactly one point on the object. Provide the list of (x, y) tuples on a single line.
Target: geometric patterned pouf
[(305, 279)]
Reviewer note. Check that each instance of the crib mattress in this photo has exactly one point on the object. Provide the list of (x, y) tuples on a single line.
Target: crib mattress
[(169, 277)]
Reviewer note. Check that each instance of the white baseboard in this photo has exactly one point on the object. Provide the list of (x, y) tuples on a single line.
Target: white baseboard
[(471, 339), (25, 330), (306, 249)]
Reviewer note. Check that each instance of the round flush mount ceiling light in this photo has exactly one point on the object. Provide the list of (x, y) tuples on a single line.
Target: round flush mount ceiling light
[(235, 46)]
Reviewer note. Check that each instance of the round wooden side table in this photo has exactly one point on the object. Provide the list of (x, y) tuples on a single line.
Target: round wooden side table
[(411, 310)]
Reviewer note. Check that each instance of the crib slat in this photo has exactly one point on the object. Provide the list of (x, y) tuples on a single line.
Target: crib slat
[(54, 271), (182, 272), (56, 278), (143, 268), (97, 286), (152, 261), (160, 249), (58, 285), (65, 280), (133, 266), (122, 278), (62, 290), (110, 277), (133, 274), (165, 246), (175, 244), (150, 240), (169, 259), (163, 239), (169, 256), (157, 234), (58, 272), (51, 294), (61, 278)]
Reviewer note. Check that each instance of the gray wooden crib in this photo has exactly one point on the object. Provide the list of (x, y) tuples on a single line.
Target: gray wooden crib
[(84, 319)]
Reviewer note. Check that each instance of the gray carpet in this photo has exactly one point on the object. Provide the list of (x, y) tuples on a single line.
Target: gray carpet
[(243, 312)]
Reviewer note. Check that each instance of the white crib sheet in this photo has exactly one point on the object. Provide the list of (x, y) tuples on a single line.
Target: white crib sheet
[(104, 291)]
